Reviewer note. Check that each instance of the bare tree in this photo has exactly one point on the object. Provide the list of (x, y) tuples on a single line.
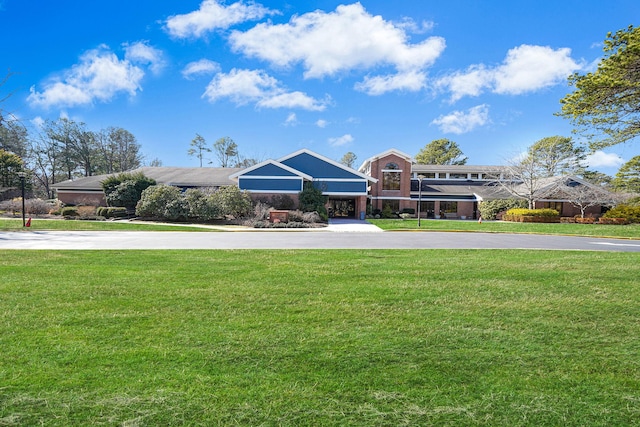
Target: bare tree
[(523, 179), (225, 150), (126, 147), (244, 162), (582, 195), (45, 154)]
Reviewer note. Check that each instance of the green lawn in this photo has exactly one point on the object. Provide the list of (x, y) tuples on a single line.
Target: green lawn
[(319, 338), (622, 231), (8, 224)]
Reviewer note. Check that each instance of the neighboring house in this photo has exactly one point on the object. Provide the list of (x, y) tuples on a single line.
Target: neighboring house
[(389, 178), (88, 190)]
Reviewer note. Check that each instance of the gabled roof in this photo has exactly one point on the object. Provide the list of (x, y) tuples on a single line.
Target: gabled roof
[(391, 151), (553, 186), (273, 163), (344, 168)]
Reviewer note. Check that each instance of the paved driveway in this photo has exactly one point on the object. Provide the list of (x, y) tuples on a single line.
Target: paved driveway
[(303, 240)]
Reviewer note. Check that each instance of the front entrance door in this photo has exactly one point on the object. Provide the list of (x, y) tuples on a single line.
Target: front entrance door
[(427, 209), (342, 208)]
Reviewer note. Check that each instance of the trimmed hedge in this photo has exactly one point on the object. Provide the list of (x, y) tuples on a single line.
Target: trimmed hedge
[(111, 212), (531, 215), (69, 211)]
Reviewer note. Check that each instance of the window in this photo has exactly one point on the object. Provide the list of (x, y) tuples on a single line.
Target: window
[(391, 177), (475, 176), (429, 175), (457, 176), (394, 205), (449, 207), (553, 205), (391, 180)]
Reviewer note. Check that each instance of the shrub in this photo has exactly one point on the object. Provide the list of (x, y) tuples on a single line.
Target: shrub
[(387, 212), (261, 211), (176, 210), (311, 199), (613, 221), (125, 189), (490, 208), (69, 211), (533, 212), (282, 202), (201, 204), (37, 206), (86, 211), (531, 215), (630, 213), (116, 212), (155, 199), (111, 212), (233, 202), (311, 217)]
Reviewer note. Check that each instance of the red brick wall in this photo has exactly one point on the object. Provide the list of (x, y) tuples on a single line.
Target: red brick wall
[(405, 181)]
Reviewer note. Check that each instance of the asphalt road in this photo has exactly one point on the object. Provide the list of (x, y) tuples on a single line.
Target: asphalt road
[(303, 240)]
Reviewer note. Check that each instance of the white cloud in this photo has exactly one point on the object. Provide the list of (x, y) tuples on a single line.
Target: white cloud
[(529, 68), (99, 76), (322, 123), (525, 68), (459, 122), (291, 120), (201, 67), (411, 26), (141, 53), (341, 140), (38, 122), (468, 83), (246, 86), (213, 15), (602, 159), (326, 44), (412, 81)]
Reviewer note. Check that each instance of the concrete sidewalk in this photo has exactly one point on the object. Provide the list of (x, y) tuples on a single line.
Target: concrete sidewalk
[(340, 225)]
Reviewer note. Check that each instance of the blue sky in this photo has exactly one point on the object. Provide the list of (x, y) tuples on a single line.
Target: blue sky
[(330, 76)]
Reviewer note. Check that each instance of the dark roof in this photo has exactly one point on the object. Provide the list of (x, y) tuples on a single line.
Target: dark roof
[(179, 177)]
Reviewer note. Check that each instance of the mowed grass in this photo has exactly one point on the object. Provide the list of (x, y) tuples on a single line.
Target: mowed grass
[(631, 231), (319, 338), (9, 224)]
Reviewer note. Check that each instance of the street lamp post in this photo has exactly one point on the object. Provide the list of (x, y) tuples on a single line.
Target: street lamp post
[(420, 178), (22, 177)]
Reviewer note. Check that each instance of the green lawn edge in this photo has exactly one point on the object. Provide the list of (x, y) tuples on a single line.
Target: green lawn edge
[(382, 337), (629, 231)]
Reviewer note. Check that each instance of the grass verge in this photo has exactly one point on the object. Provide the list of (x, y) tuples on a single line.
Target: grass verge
[(453, 337), (7, 224), (631, 231)]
